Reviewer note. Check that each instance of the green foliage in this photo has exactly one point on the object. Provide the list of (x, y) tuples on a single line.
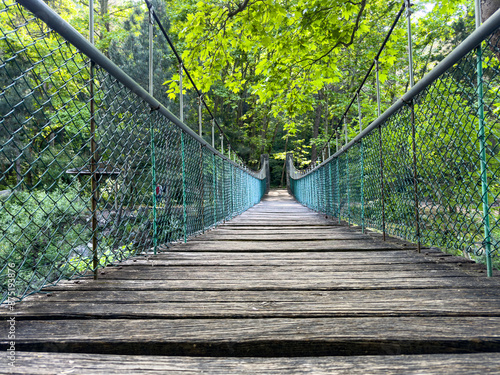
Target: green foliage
[(40, 229)]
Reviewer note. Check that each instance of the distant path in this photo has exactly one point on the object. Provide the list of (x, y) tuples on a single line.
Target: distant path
[(277, 281)]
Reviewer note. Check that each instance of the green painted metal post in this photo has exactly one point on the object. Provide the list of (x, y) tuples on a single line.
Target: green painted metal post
[(184, 186), (331, 190), (214, 180), (232, 190), (202, 188), (94, 163), (362, 167), (153, 172), (223, 184), (482, 154), (415, 175), (348, 189), (382, 190), (338, 178), (317, 190), (362, 188)]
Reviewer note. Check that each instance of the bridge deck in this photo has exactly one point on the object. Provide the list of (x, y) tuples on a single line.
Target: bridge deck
[(278, 281)]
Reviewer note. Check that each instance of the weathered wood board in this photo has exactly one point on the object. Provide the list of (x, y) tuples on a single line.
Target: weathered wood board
[(44, 363), (278, 281)]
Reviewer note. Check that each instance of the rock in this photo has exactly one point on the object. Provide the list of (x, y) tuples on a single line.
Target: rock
[(81, 251), (5, 193)]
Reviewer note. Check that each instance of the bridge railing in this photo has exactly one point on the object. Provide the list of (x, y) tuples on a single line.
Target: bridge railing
[(94, 169), (428, 169)]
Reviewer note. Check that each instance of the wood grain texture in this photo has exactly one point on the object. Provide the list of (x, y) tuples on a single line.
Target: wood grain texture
[(278, 281), (44, 363), (262, 336)]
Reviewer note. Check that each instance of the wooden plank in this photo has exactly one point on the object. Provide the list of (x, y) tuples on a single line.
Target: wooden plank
[(50, 309), (257, 224), (260, 337), (341, 256), (310, 254), (201, 260), (332, 297), (160, 273), (270, 284), (278, 230), (373, 258), (267, 268), (268, 246), (216, 236), (44, 363)]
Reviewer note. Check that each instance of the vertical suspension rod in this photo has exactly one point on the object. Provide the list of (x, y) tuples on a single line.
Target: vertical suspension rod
[(153, 156), (93, 150), (362, 168), (482, 149), (184, 195), (410, 44)]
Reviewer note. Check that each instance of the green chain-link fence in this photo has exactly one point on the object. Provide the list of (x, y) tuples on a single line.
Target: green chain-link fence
[(428, 169), (94, 171)]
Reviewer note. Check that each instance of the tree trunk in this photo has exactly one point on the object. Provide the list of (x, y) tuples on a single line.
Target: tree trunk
[(317, 120), (488, 7), (104, 13)]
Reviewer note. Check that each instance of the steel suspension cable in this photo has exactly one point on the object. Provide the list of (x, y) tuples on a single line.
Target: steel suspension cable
[(356, 93), (179, 59)]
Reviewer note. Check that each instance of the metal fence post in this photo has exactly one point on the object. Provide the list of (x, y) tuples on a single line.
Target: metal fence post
[(153, 172), (330, 188), (153, 156), (184, 195), (93, 170), (415, 175), (202, 188), (382, 180), (348, 189), (338, 176), (231, 169), (413, 131), (362, 168), (215, 193), (379, 112), (93, 150), (482, 149), (223, 184), (348, 177)]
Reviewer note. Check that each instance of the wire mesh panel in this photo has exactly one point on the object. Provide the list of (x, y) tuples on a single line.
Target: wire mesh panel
[(92, 172), (398, 174), (372, 184), (427, 170)]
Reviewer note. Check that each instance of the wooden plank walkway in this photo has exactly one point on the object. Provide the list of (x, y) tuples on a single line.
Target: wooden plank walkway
[(279, 289)]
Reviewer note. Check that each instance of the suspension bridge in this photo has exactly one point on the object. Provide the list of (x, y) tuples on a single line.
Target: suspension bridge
[(150, 250)]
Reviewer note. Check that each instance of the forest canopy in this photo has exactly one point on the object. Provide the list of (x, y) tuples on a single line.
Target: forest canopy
[(277, 75), (287, 69)]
